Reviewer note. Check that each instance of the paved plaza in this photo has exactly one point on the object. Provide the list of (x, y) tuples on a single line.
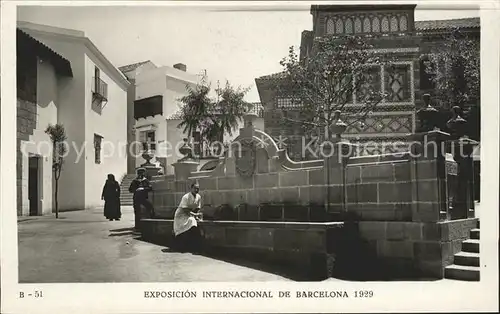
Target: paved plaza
[(83, 246)]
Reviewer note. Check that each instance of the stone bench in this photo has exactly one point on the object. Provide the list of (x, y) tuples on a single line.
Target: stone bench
[(314, 248)]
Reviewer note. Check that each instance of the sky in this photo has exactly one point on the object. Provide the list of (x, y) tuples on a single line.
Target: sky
[(236, 44)]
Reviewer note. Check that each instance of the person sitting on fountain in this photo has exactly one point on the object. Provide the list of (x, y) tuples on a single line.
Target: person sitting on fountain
[(140, 186), (186, 217)]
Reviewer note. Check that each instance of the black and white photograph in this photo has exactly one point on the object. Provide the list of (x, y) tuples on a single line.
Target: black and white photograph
[(252, 156)]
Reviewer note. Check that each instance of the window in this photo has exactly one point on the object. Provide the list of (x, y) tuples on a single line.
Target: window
[(357, 25), (397, 83), (385, 24), (148, 140), (97, 148), (403, 23), (366, 25), (330, 25), (394, 24), (339, 27), (287, 103), (348, 26), (376, 25), (370, 83), (99, 92), (97, 75)]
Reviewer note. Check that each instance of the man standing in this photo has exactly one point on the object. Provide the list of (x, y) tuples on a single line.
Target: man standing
[(140, 186)]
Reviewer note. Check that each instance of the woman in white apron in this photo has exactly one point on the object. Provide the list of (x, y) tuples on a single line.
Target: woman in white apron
[(186, 231)]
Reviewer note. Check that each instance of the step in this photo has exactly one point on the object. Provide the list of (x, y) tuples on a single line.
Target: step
[(471, 246), (474, 234), (458, 272), (466, 259), (478, 223)]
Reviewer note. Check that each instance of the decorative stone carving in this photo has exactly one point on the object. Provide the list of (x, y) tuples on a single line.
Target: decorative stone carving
[(428, 115), (245, 159), (186, 150), (338, 127), (147, 155), (457, 124)]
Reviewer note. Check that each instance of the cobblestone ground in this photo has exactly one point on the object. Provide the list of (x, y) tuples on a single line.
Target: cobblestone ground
[(84, 247)]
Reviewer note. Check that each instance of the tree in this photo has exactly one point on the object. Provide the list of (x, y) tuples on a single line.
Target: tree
[(454, 70), (58, 137), (326, 80), (212, 117)]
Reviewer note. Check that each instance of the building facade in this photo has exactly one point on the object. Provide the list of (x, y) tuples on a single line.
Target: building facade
[(157, 93), (157, 114), (91, 104), (394, 34)]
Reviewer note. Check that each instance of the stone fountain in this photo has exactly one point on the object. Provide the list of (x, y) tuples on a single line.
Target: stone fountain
[(151, 169), (187, 164)]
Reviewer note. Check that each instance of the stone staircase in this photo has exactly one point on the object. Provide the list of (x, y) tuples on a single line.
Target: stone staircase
[(466, 263), (126, 198)]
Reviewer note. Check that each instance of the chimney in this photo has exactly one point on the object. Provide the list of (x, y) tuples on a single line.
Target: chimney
[(180, 66)]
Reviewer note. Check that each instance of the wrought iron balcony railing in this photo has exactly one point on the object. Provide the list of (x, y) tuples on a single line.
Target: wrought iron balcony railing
[(100, 89)]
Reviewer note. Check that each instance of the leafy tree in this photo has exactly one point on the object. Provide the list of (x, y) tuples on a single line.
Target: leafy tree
[(454, 69), (212, 116), (325, 81), (58, 137), (196, 105)]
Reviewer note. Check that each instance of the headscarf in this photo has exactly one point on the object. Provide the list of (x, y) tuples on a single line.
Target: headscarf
[(111, 178)]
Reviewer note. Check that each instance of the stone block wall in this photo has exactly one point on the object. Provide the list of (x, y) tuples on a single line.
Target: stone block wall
[(316, 249), (379, 188), (297, 195), (417, 248)]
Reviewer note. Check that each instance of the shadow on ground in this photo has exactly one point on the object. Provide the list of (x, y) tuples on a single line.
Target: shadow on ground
[(357, 271)]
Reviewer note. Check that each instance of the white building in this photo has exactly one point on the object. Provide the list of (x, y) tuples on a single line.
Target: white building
[(157, 94), (157, 107), (91, 103)]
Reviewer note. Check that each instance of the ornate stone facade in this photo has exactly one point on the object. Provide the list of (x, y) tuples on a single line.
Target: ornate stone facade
[(394, 33)]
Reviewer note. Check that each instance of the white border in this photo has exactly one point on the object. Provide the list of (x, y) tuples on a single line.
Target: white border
[(128, 298)]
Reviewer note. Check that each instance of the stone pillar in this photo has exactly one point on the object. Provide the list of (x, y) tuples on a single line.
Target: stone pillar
[(151, 169), (428, 176), (335, 153), (186, 165), (462, 149), (464, 205), (428, 167), (184, 168)]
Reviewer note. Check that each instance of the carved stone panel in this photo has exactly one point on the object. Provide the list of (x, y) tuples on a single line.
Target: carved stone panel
[(245, 158)]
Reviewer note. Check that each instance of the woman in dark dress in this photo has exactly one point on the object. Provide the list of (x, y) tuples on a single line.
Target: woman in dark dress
[(111, 197)]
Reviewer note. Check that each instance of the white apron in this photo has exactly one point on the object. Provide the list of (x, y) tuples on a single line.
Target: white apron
[(183, 221)]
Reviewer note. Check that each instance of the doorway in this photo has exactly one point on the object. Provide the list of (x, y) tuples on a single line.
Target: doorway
[(33, 185)]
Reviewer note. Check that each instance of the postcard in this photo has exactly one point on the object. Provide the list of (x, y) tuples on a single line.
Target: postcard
[(175, 157)]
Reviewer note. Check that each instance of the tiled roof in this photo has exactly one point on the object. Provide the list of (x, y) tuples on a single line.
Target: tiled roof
[(176, 115), (473, 22), (133, 66), (31, 45), (272, 76)]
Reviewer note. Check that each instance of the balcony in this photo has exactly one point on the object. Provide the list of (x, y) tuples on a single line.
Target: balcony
[(99, 90), (148, 107)]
